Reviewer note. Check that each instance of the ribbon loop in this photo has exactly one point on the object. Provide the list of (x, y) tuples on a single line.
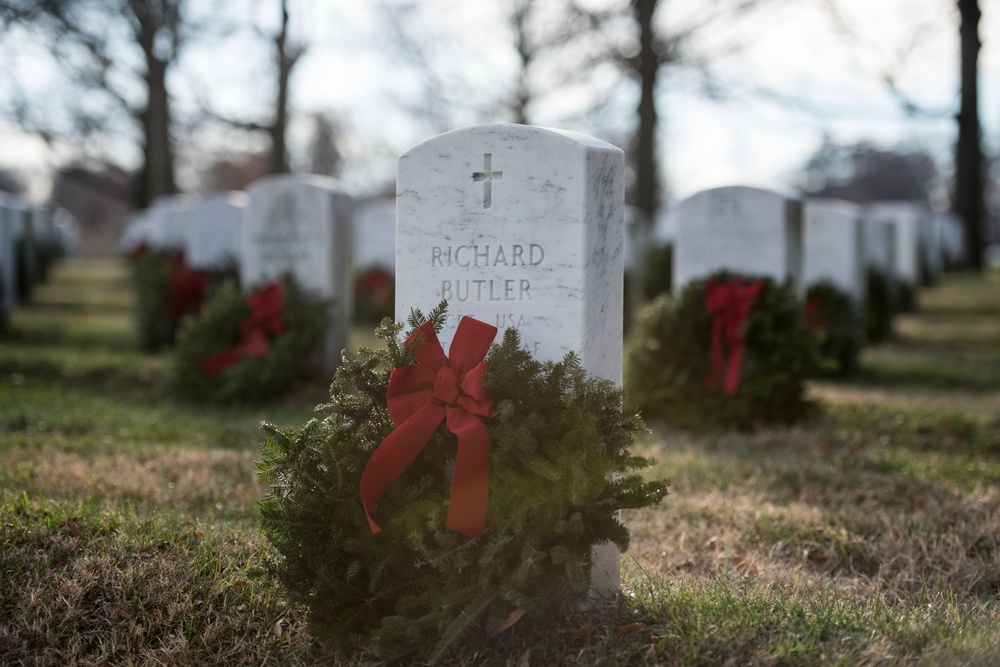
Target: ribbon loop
[(420, 396), (729, 303), (266, 306)]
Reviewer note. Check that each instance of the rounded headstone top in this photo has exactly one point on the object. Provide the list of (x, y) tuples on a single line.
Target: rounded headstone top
[(515, 132), (833, 205), (750, 190), (292, 180)]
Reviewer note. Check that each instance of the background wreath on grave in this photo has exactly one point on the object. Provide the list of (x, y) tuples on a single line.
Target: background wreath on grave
[(837, 322), (167, 290), (881, 304), (248, 347), (559, 468), (374, 295), (669, 362)]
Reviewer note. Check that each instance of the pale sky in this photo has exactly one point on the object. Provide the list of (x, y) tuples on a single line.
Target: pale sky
[(792, 50)]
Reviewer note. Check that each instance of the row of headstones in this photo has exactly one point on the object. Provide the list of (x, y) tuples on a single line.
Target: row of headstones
[(786, 236), (299, 225), (31, 238)]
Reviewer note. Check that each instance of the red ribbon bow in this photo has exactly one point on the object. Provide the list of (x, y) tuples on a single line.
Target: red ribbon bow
[(728, 303), (187, 287), (420, 397), (266, 305)]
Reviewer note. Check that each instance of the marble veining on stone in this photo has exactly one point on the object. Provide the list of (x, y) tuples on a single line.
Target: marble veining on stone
[(537, 245)]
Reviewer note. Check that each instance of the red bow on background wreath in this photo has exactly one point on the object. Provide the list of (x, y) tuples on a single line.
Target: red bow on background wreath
[(729, 304), (187, 287), (439, 388), (266, 306), (813, 307), (374, 284)]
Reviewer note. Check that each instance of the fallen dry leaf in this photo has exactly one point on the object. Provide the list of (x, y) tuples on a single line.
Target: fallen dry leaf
[(625, 629), (583, 631), (511, 619), (524, 660), (919, 504), (74, 529), (817, 556), (743, 565), (276, 629)]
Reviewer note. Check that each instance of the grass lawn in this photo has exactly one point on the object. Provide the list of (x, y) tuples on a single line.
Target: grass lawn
[(867, 536)]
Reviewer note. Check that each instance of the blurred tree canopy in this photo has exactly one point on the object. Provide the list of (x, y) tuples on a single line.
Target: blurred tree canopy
[(115, 56), (862, 173)]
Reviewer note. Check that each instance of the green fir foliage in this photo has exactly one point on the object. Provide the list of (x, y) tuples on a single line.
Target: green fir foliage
[(669, 360), (151, 277), (252, 378), (880, 306), (560, 468), (659, 271), (838, 325), (152, 273)]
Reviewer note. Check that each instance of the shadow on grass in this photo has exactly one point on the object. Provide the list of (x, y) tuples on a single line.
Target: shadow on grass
[(926, 373), (83, 336)]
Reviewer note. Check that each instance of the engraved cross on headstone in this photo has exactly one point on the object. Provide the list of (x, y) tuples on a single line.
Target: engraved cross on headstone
[(487, 176)]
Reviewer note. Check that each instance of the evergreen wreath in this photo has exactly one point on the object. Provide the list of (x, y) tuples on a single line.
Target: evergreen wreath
[(255, 370), (374, 295), (836, 320), (167, 290), (880, 306), (669, 364), (151, 278), (559, 469)]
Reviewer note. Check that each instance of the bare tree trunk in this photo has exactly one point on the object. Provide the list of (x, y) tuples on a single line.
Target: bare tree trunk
[(157, 175), (287, 56), (646, 193), (525, 54), (968, 198)]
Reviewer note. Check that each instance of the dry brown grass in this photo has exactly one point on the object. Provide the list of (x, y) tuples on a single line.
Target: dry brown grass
[(780, 520), (194, 480)]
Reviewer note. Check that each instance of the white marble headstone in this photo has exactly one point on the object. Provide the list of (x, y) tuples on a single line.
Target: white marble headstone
[(932, 244), (952, 238), (880, 243), (301, 225), (907, 219), (27, 251), (163, 222), (746, 230), (136, 232), (213, 235), (68, 232), (521, 227), (834, 246), (8, 258), (375, 234)]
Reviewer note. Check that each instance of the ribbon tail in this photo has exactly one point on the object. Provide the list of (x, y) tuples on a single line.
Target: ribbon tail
[(471, 343), (470, 485), (735, 366), (219, 362), (395, 454), (718, 355)]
